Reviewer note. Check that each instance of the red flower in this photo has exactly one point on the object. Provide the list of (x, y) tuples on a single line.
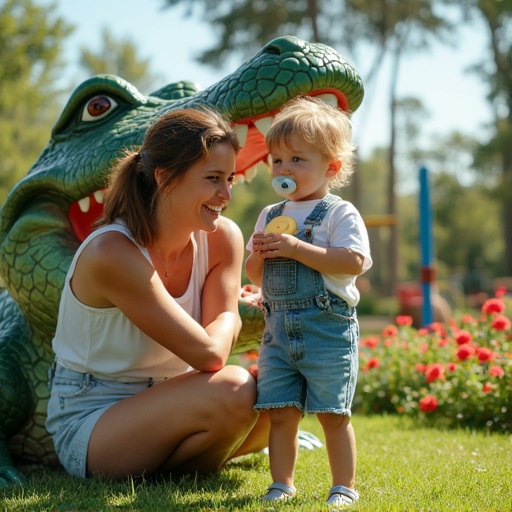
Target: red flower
[(434, 372), (467, 319), (420, 367), (463, 337), (252, 355), (496, 371), (428, 403), (484, 354), (370, 342), (442, 342), (465, 352), (487, 387), (253, 370), (423, 348), (491, 306), (373, 363), (501, 323), (451, 367), (403, 320), (390, 330), (423, 331), (500, 291), (438, 327)]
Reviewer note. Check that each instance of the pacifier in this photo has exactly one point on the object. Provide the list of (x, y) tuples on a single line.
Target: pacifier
[(283, 185)]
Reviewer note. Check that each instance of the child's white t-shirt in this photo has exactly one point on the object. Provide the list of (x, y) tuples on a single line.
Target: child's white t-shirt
[(342, 226)]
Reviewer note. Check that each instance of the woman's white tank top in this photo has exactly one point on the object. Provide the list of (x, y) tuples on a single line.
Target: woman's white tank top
[(105, 343)]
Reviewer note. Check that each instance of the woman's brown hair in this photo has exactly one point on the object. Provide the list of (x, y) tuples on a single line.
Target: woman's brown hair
[(174, 143)]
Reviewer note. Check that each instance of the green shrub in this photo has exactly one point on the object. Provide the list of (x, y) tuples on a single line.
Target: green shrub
[(458, 374)]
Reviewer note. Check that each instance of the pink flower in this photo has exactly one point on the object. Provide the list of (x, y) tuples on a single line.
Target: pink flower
[(423, 331), (501, 323), (492, 306), (403, 320), (465, 351), (484, 354), (428, 403), (463, 337), (434, 372), (496, 371), (390, 330)]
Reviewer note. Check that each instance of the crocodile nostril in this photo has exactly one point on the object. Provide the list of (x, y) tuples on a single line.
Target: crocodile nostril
[(272, 49)]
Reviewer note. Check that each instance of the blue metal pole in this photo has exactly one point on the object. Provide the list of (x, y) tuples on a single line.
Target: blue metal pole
[(426, 244)]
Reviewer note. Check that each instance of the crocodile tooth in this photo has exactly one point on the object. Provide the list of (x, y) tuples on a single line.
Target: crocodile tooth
[(329, 99), (84, 204), (263, 124), (99, 196), (250, 173), (241, 132)]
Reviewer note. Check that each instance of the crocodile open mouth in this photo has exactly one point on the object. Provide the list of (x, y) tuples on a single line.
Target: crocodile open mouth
[(251, 134)]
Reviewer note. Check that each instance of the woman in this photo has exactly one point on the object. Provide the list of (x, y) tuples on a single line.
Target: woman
[(149, 315)]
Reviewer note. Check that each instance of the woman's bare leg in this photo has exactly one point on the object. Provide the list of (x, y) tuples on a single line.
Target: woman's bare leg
[(194, 422), (258, 436)]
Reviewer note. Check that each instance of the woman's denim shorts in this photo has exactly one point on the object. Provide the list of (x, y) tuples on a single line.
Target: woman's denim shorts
[(309, 357), (77, 400)]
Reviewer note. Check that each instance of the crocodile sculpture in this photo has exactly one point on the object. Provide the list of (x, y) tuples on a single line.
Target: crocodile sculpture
[(49, 212)]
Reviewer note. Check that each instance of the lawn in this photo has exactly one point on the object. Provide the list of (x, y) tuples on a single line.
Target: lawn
[(401, 467)]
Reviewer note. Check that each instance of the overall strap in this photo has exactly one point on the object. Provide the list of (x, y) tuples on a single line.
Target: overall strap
[(276, 210), (316, 217)]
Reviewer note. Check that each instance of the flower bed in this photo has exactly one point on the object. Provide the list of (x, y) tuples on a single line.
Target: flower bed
[(458, 374)]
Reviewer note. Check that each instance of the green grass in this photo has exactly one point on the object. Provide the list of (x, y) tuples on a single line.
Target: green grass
[(400, 468)]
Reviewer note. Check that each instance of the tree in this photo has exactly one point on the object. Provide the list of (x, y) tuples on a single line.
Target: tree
[(31, 40), (118, 58), (496, 154)]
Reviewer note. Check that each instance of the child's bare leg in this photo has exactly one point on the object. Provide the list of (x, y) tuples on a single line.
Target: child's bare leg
[(340, 441), (283, 443)]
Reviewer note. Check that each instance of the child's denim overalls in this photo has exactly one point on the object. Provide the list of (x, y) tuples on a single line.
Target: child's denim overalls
[(308, 357)]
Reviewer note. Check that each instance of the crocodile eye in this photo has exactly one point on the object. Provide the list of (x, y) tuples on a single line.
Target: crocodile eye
[(97, 108)]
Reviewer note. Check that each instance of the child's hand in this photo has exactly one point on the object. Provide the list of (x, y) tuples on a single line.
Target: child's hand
[(274, 245)]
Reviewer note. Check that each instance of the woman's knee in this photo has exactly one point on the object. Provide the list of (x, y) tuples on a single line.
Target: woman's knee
[(238, 394)]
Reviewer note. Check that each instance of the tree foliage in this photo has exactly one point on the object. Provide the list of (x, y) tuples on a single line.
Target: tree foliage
[(31, 39), (497, 18), (118, 57)]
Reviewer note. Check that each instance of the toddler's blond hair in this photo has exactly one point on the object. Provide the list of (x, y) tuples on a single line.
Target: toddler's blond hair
[(327, 128)]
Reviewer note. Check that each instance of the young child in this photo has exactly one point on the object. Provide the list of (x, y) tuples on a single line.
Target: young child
[(305, 255)]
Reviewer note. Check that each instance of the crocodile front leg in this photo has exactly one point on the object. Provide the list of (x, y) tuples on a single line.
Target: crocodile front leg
[(9, 475), (16, 403)]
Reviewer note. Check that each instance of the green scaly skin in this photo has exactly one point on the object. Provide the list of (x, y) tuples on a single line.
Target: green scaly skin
[(41, 226)]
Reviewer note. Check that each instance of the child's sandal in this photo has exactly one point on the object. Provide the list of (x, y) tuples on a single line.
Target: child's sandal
[(340, 496), (277, 492)]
